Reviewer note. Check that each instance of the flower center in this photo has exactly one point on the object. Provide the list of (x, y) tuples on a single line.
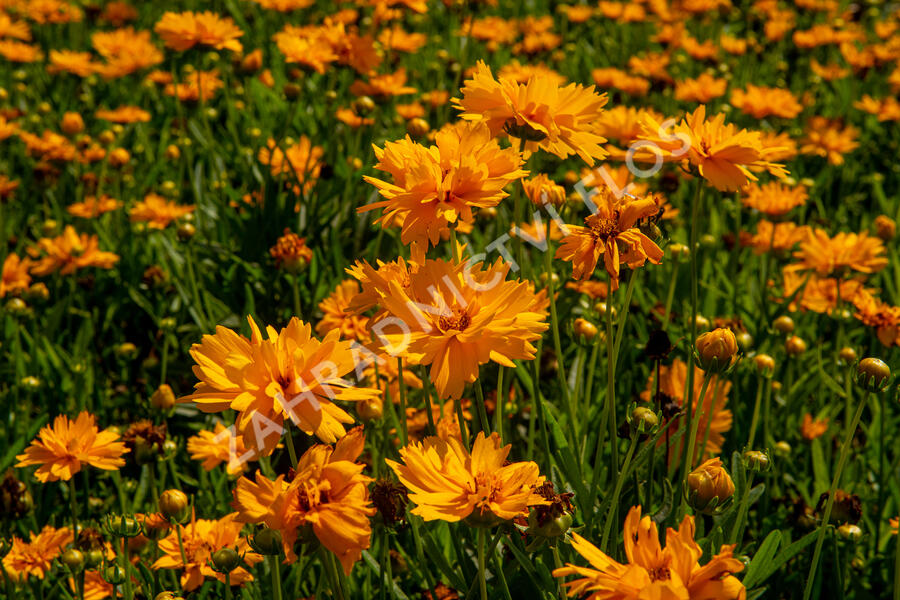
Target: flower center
[(604, 227), (659, 574), (458, 320)]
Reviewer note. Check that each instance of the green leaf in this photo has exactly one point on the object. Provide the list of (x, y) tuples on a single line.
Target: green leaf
[(763, 558), (373, 564), (783, 556)]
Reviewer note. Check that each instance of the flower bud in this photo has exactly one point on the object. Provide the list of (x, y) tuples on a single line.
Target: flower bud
[(702, 323), (363, 105), (123, 526), (73, 558), (600, 307), (163, 399), (755, 460), (226, 560), (783, 324), (709, 486), (847, 355), (764, 364), (126, 350), (174, 505), (850, 532), (93, 558), (872, 374), (267, 542), (417, 127), (585, 330), (186, 231), (72, 123), (113, 574), (717, 350), (292, 91), (885, 227), (782, 448), (679, 250), (643, 419), (173, 152), (371, 409), (17, 307), (744, 340), (795, 345)]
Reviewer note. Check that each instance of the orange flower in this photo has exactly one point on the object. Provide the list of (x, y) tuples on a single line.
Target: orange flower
[(819, 294), (841, 253), (778, 237), (124, 114), (290, 374), (457, 316), (713, 417), (701, 90), (383, 86), (542, 114), (436, 186), (35, 557), (15, 275), (336, 316), (62, 449), (618, 79), (828, 139), (673, 572), (328, 494), (883, 317), (126, 51), (69, 61), (19, 51), (761, 102), (196, 86), (349, 117), (450, 484), (69, 252), (182, 31), (49, 146), (721, 153), (201, 539), (306, 46), (886, 109), (300, 162), (92, 207), (14, 29), (829, 72), (290, 252), (810, 429), (220, 446), (521, 73), (611, 232), (157, 212), (774, 199)]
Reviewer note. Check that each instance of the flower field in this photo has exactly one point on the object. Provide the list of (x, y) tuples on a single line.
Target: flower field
[(420, 299)]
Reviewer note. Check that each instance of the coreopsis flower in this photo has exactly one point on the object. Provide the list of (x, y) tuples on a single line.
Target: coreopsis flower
[(811, 428), (291, 252), (760, 102), (455, 317), (700, 90), (299, 163), (8, 186), (124, 114), (385, 85), (623, 124), (829, 139), (819, 294), (328, 494), (540, 113), (612, 233), (709, 486), (886, 109), (305, 46), (521, 73), (219, 446), (722, 154), (494, 31), (349, 117), (284, 5), (291, 374), (92, 207), (35, 557), (126, 51), (881, 316), (653, 571), (15, 277), (828, 72), (774, 237), (69, 61), (69, 252), (593, 289), (540, 189), (48, 146), (157, 212), (336, 315), (716, 349), (62, 449), (19, 52), (617, 79), (10, 28), (201, 538), (436, 186), (182, 31), (714, 416), (844, 252), (448, 483), (199, 85), (774, 199)]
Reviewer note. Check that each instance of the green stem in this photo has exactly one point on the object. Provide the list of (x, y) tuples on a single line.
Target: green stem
[(611, 379), (842, 459), (670, 295), (737, 532), (482, 582), (614, 503), (554, 326), (296, 293), (689, 449), (404, 437), (289, 442), (126, 586), (228, 585), (755, 420), (482, 411), (181, 546), (557, 563), (498, 407), (276, 576), (73, 501), (689, 396)]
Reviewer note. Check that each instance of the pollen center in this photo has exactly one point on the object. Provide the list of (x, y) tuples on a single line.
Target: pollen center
[(659, 574), (604, 227), (458, 320)]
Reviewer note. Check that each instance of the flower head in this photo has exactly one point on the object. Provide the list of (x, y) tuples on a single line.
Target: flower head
[(541, 113), (182, 31), (64, 448), (840, 254), (158, 212), (448, 483), (222, 445), (34, 558), (709, 486)]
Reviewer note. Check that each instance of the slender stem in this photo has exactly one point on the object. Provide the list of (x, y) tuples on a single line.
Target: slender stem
[(689, 395), (276, 576), (670, 295), (554, 326), (126, 589), (454, 247), (557, 563), (227, 585), (482, 581), (73, 501), (296, 292), (289, 439), (755, 420), (181, 546), (498, 406), (823, 526), (611, 380), (880, 501), (689, 450), (614, 503), (403, 432), (737, 532), (482, 411)]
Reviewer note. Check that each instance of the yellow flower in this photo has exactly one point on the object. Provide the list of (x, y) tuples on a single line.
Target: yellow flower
[(709, 486), (774, 199), (540, 113), (611, 232), (15, 277), (220, 446), (669, 573), (158, 212), (35, 557), (182, 31), (291, 374), (336, 316), (328, 494), (717, 349), (63, 448), (436, 186), (839, 254), (448, 483)]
